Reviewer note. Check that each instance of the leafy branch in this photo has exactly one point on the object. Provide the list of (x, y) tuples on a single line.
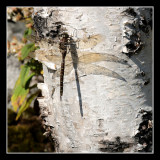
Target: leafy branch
[(21, 96)]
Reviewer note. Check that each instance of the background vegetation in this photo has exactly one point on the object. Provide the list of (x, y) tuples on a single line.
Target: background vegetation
[(25, 130)]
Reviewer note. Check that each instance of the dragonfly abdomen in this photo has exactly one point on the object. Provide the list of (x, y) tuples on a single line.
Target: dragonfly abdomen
[(62, 77), (63, 49)]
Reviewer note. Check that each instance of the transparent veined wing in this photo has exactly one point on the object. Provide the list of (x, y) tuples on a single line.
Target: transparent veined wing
[(89, 57), (98, 70), (84, 63)]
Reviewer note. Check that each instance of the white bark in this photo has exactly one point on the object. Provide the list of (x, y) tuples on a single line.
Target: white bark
[(110, 106)]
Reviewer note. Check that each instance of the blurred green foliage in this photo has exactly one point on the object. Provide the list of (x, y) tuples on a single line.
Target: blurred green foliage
[(25, 131), (26, 134), (22, 97)]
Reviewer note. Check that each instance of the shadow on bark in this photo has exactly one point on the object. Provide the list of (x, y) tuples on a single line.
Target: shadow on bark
[(73, 50)]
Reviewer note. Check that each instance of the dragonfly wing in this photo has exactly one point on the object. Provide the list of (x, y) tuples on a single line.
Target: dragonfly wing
[(42, 56), (68, 68), (57, 59), (98, 70), (91, 41), (88, 57), (54, 58)]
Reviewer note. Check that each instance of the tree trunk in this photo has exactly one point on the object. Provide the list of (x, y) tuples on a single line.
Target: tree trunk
[(101, 108)]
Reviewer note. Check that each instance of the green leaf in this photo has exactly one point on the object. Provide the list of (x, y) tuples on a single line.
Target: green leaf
[(18, 97), (25, 77), (24, 73), (21, 88), (27, 32), (27, 49), (28, 79), (26, 104)]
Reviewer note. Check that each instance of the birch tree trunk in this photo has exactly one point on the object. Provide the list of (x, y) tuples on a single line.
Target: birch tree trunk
[(101, 111)]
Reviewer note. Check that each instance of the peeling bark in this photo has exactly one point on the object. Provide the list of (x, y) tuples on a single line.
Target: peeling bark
[(99, 111)]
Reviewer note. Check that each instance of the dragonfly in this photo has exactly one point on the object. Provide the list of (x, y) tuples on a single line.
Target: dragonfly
[(78, 60)]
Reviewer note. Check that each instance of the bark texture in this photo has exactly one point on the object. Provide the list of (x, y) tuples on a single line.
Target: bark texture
[(99, 112)]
